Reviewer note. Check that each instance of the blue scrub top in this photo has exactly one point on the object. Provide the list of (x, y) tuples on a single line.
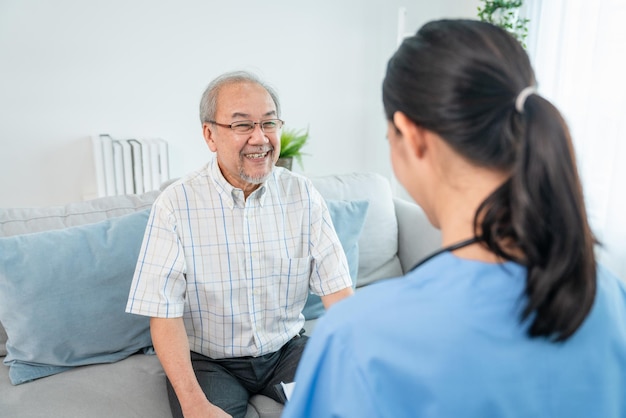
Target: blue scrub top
[(446, 341)]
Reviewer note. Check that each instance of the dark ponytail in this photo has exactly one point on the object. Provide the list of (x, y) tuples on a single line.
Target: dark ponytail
[(540, 209), (460, 79)]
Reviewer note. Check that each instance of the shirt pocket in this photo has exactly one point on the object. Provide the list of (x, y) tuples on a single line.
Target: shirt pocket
[(285, 285)]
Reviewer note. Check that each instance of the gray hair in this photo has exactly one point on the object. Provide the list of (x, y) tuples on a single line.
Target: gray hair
[(208, 103)]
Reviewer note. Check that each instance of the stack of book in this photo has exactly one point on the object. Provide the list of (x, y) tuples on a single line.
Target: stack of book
[(129, 166)]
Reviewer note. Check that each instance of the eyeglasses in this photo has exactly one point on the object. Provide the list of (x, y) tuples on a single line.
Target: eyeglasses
[(247, 126)]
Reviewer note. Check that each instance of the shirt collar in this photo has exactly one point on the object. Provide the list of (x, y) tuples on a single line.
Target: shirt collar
[(234, 196)]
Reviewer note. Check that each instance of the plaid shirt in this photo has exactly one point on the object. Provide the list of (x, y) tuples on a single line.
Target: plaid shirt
[(237, 270)]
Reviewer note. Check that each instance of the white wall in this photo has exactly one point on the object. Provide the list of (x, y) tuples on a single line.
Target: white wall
[(74, 68)]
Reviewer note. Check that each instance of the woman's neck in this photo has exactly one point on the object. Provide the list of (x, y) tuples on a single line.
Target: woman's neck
[(456, 211)]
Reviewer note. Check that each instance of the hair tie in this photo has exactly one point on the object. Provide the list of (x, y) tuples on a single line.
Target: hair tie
[(522, 96)]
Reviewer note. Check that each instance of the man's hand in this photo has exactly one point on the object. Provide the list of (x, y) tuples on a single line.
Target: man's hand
[(204, 410)]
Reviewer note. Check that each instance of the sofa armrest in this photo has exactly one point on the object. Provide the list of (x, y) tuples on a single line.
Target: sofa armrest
[(417, 238)]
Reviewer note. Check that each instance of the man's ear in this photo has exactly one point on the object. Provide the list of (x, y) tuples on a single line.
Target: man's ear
[(209, 136), (413, 134)]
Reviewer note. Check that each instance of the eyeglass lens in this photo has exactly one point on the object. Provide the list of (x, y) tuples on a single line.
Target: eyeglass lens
[(267, 126)]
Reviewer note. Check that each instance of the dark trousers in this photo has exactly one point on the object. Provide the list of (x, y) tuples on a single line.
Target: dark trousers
[(229, 383)]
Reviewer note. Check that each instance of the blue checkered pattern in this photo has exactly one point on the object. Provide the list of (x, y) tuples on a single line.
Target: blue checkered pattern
[(238, 270)]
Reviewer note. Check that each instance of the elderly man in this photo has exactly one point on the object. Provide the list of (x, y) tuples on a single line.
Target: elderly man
[(229, 255)]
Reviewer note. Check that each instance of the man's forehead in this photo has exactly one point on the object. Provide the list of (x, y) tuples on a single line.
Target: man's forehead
[(240, 99), (237, 114)]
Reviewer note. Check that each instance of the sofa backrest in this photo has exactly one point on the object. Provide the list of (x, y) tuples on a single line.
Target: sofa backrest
[(16, 221), (378, 244)]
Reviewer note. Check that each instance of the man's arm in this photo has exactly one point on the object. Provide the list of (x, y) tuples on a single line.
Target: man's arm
[(333, 298), (172, 347)]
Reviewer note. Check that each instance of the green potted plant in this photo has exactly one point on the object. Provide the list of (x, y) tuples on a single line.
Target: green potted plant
[(505, 14), (291, 143)]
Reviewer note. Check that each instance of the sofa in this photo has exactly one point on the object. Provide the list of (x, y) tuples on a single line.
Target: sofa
[(129, 381)]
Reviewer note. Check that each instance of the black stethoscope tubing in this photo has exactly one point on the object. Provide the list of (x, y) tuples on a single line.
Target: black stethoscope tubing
[(452, 247)]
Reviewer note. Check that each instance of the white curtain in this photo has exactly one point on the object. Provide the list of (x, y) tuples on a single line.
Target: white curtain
[(578, 49)]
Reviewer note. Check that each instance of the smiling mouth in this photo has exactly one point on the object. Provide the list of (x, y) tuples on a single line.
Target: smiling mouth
[(257, 155)]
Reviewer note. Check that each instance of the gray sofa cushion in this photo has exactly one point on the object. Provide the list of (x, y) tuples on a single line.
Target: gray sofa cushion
[(105, 387), (17, 221), (377, 257)]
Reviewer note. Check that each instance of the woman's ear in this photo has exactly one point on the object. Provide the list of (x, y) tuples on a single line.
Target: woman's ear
[(413, 134)]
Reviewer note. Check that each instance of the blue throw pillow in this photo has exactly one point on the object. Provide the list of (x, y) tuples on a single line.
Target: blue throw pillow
[(348, 217), (63, 294)]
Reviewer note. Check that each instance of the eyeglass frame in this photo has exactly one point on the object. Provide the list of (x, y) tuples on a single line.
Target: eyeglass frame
[(260, 123)]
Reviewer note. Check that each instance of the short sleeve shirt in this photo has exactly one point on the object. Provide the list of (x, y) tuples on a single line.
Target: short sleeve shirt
[(237, 270)]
